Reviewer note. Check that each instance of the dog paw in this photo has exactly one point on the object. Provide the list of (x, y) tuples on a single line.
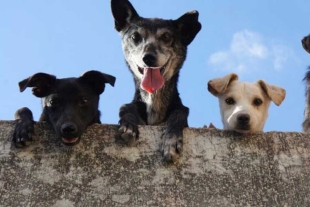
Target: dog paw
[(23, 132), (129, 133), (171, 147)]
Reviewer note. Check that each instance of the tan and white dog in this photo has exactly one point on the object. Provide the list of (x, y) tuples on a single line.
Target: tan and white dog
[(244, 106)]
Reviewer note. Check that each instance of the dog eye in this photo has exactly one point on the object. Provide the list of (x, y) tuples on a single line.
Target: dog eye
[(136, 37), (257, 102), (84, 101), (166, 37), (54, 102), (230, 101)]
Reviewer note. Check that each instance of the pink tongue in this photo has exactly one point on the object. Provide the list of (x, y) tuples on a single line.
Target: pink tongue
[(152, 80)]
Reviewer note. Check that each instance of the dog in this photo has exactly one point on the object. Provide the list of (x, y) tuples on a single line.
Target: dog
[(244, 106), (70, 105), (306, 123), (155, 50)]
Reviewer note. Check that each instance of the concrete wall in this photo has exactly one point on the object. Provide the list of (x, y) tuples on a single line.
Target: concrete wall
[(217, 168)]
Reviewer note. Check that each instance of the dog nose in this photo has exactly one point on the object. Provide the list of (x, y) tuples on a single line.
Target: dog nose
[(243, 118), (149, 59), (68, 129)]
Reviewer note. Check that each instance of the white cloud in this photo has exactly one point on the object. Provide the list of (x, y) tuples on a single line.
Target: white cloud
[(247, 52), (281, 54), (248, 44), (220, 58)]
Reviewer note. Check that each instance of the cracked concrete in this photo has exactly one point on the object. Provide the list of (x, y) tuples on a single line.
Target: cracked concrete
[(217, 168)]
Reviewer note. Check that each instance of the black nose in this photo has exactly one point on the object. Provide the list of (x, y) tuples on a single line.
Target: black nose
[(68, 129), (243, 119), (149, 59)]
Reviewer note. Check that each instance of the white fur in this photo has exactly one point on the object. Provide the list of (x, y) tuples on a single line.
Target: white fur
[(244, 94), (135, 57)]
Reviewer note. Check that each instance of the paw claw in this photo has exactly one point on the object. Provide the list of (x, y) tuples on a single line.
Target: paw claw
[(129, 134), (122, 129)]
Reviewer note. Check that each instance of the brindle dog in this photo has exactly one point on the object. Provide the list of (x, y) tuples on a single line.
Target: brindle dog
[(155, 50)]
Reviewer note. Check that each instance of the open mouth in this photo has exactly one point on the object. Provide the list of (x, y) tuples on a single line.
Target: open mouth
[(161, 69), (70, 141), (152, 79)]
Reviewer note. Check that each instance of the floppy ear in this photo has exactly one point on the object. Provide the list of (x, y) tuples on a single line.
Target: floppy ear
[(306, 43), (123, 13), (97, 80), (41, 83), (188, 26), (219, 85), (275, 93)]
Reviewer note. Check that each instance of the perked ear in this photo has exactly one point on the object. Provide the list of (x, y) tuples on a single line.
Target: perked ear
[(97, 80), (219, 85), (306, 43), (41, 83), (275, 93), (188, 26), (123, 13)]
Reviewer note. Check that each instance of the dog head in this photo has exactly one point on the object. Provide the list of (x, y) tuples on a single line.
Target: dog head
[(154, 49), (244, 106), (70, 105)]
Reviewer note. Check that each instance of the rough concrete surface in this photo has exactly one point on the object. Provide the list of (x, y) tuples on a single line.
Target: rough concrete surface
[(217, 168)]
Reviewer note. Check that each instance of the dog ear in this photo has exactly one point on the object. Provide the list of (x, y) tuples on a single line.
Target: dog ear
[(275, 93), (306, 43), (97, 80), (188, 26), (41, 83), (123, 13), (219, 85)]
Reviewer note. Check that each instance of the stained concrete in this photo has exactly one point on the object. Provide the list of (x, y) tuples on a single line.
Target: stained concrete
[(217, 168)]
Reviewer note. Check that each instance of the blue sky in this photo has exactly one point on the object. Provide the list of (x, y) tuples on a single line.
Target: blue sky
[(256, 39)]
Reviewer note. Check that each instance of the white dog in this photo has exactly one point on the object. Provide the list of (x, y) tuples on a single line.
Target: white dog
[(244, 106)]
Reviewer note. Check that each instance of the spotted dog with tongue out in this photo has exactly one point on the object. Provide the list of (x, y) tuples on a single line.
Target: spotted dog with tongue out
[(154, 50)]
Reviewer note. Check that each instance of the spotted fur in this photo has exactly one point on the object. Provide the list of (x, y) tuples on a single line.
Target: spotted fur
[(166, 42)]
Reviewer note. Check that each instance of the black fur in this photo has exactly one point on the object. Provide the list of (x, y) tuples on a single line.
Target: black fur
[(70, 105), (306, 43), (306, 124), (167, 52)]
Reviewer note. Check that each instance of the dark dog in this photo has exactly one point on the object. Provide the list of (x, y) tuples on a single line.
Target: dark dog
[(155, 50), (70, 105), (306, 124)]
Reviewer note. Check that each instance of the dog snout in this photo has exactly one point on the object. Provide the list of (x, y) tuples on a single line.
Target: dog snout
[(68, 129), (243, 119), (149, 59)]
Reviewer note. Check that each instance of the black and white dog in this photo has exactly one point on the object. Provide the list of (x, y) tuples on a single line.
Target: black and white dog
[(70, 105), (155, 50), (306, 124)]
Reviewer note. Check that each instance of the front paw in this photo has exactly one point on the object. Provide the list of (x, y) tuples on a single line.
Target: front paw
[(171, 147), (129, 133), (23, 132)]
